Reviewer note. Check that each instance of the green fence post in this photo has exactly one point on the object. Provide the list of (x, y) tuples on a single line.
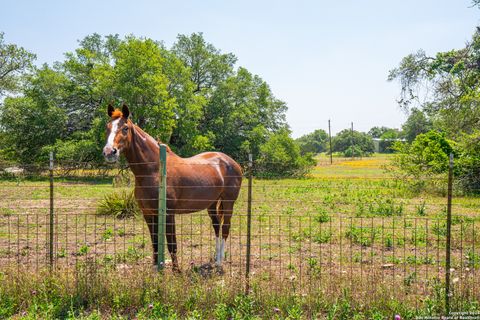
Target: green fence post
[(162, 206)]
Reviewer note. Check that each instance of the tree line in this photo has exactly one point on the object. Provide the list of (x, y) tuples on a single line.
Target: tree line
[(191, 96), (360, 144)]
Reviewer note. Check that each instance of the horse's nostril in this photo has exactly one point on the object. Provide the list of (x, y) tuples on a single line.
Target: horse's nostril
[(114, 151)]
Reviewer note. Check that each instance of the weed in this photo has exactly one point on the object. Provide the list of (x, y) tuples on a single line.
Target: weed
[(473, 259), (107, 234), (385, 207), (364, 236), (119, 204), (392, 259), (388, 241), (410, 279), (421, 209), (84, 249), (321, 216), (440, 229), (322, 236), (62, 253), (7, 212)]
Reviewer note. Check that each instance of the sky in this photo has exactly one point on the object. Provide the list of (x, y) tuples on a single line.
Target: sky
[(325, 59)]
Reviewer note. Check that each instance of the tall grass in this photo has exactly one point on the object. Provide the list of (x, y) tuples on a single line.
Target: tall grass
[(93, 292), (120, 204)]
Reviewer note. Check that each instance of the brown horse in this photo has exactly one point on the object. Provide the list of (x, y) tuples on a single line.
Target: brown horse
[(210, 180)]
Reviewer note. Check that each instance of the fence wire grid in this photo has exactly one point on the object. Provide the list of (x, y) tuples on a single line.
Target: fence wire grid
[(307, 233)]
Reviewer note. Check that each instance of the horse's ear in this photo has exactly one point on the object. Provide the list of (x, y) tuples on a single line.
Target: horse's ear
[(110, 110), (125, 111)]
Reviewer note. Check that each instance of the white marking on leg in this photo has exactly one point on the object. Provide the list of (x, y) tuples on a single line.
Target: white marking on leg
[(217, 248), (222, 251)]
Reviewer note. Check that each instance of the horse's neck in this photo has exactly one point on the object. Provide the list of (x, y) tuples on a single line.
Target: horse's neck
[(143, 154)]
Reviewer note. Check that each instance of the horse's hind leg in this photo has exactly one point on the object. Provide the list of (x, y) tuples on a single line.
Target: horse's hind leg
[(225, 211), (212, 212)]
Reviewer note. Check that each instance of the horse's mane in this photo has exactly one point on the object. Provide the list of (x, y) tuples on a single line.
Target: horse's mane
[(143, 135)]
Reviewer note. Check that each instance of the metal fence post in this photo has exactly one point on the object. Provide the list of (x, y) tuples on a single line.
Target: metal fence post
[(449, 235), (51, 222), (162, 206), (249, 223)]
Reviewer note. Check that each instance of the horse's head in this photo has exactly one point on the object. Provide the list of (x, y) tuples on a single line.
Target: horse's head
[(119, 133)]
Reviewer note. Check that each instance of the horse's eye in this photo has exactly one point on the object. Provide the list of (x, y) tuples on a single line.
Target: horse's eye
[(125, 129)]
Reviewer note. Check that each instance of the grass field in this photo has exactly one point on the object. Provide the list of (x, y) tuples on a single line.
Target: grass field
[(347, 241)]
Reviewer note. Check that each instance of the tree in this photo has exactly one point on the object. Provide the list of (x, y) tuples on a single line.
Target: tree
[(241, 114), (88, 85), (445, 86), (423, 159), (280, 157), (208, 66), (14, 62), (139, 80), (416, 124), (446, 90), (187, 137), (356, 143), (314, 142), (377, 132), (190, 97), (30, 126)]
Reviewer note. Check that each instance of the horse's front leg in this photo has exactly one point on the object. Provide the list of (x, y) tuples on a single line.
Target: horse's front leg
[(172, 239), (152, 223)]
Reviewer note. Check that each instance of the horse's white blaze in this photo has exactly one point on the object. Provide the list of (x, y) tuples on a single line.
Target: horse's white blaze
[(113, 133)]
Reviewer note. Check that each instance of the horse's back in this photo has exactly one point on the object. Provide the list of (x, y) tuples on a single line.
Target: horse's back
[(203, 179), (220, 159)]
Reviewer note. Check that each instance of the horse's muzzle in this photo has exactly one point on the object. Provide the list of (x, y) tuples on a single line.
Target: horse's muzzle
[(110, 154)]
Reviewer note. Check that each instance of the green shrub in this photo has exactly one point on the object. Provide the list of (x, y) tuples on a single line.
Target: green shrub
[(119, 204), (424, 162), (428, 154), (362, 143), (314, 142), (468, 163), (280, 157), (75, 151)]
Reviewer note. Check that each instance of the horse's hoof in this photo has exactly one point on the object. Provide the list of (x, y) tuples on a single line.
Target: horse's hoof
[(176, 270), (219, 270)]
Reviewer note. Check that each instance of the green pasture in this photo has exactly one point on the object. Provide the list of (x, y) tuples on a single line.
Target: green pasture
[(347, 225)]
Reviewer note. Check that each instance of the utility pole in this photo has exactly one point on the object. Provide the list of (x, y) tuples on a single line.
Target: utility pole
[(330, 136), (351, 138)]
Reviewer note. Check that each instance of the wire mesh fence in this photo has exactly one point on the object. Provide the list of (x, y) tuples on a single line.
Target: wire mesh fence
[(304, 234)]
